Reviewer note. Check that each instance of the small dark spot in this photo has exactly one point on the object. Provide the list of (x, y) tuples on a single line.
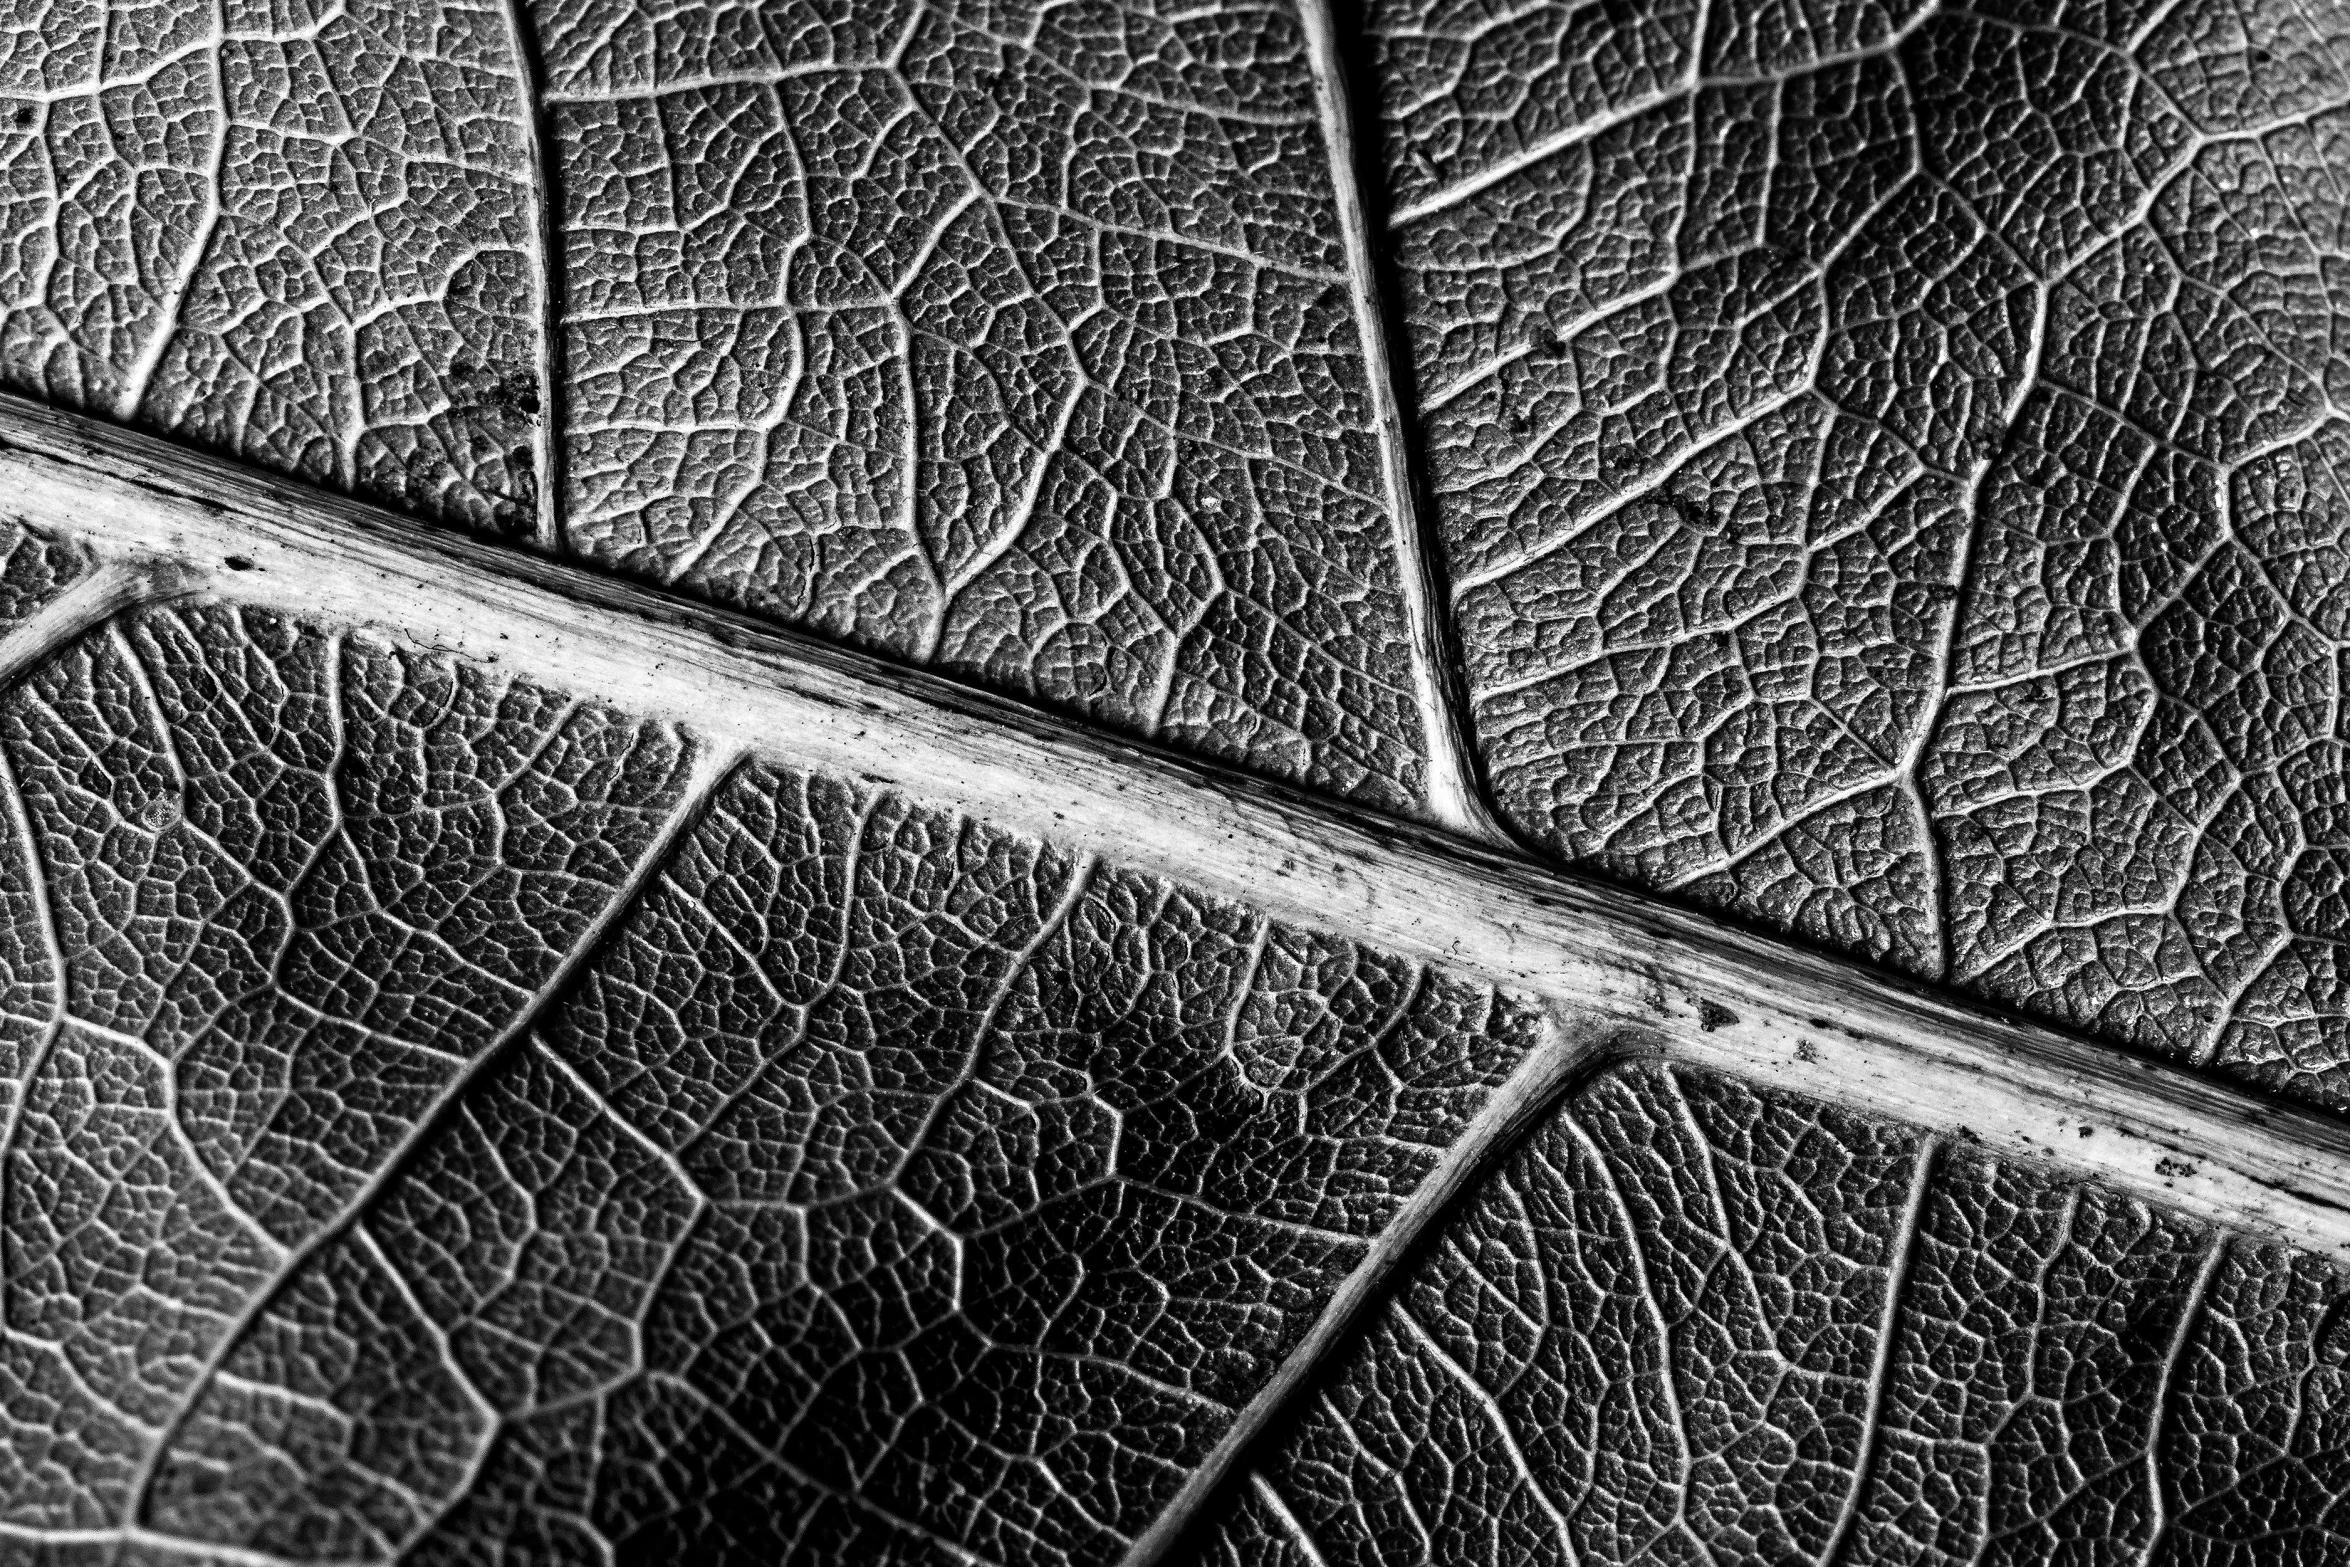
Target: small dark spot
[(1548, 343), (1712, 1015), (2260, 57), (25, 115), (238, 563), (1804, 1051), (512, 398), (516, 395), (1967, 1134), (2171, 1169), (1696, 518), (2087, 1131), (2145, 1334)]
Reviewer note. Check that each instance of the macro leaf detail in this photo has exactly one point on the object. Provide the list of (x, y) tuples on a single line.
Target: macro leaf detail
[(1100, 782)]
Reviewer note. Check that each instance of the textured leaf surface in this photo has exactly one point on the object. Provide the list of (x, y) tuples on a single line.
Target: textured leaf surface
[(1887, 462), (35, 566), (1020, 340), (267, 892), (1017, 341), (297, 234), (880, 1183), (1692, 1320), (1887, 459)]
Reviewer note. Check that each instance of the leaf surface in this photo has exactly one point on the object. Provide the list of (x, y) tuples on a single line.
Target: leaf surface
[(1692, 1319), (505, 1060), (1883, 455), (297, 235)]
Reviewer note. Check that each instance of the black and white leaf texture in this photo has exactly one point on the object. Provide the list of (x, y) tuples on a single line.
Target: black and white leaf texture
[(1887, 460), (453, 1119), (417, 1098), (504, 1058), (1023, 342), (1691, 1320)]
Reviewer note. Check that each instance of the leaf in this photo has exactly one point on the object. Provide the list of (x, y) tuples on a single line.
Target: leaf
[(503, 1059), (875, 1147), (454, 1121), (1025, 347), (863, 1140)]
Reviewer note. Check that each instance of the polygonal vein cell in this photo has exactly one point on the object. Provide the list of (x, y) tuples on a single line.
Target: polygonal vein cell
[(267, 891), (298, 234), (886, 1188), (1655, 1335)]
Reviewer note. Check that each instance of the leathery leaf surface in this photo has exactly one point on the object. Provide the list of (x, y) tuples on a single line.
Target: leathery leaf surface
[(1872, 471)]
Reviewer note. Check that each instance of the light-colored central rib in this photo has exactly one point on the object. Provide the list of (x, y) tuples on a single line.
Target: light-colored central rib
[(1803, 1022)]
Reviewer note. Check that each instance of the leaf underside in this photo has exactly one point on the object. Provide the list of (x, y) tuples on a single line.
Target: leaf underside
[(1879, 471)]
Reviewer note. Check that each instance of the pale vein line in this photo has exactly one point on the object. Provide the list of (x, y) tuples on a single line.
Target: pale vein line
[(1600, 124), (133, 391), (1946, 653), (1454, 798), (1483, 1397), (108, 591), (1667, 1372), (2189, 1315), (1298, 1533), (37, 881), (201, 1552), (1905, 1242), (546, 254), (1556, 1058), (1017, 968)]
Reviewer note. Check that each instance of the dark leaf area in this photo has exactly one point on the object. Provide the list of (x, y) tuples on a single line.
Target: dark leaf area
[(878, 1183), (265, 894), (35, 566), (1694, 1321)]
